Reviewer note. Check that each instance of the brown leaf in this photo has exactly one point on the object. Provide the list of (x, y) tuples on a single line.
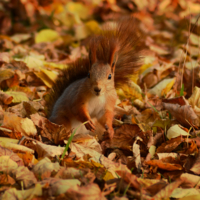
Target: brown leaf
[(10, 132), (5, 98), (178, 100), (130, 179), (25, 109), (44, 168), (166, 192), (126, 134), (22, 174), (196, 167), (53, 132), (13, 156), (189, 146), (23, 125), (5, 179), (55, 186), (156, 187), (184, 114), (170, 145), (164, 165), (88, 192)]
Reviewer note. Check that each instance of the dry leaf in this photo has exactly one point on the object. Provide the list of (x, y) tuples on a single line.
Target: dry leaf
[(22, 174), (52, 131), (89, 192), (50, 151), (23, 125), (176, 131), (166, 192), (184, 114), (22, 194), (44, 168)]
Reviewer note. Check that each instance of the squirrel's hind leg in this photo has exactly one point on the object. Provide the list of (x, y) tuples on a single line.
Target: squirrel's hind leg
[(61, 121)]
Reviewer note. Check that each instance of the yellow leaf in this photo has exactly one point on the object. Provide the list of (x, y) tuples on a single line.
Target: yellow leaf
[(47, 35), (47, 81), (33, 61), (157, 90), (6, 74), (17, 96), (71, 19), (78, 9), (152, 150), (92, 26), (52, 75), (55, 65), (194, 100), (168, 87), (108, 176), (81, 32)]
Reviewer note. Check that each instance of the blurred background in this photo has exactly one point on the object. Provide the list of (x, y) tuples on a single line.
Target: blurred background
[(48, 34)]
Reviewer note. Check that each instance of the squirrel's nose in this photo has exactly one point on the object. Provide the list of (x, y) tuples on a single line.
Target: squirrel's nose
[(97, 90)]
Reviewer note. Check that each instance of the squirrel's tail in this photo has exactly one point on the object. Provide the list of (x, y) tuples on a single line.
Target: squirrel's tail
[(121, 43), (130, 51)]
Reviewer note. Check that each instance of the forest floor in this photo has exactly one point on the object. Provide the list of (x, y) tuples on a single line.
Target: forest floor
[(155, 150)]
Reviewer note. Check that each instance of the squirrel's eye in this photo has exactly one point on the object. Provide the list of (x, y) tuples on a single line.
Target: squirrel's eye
[(109, 76), (88, 75)]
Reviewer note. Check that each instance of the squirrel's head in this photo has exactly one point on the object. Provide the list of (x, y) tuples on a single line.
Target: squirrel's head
[(103, 57), (101, 78)]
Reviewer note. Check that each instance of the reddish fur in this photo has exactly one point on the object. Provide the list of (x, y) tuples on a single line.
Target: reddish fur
[(111, 52)]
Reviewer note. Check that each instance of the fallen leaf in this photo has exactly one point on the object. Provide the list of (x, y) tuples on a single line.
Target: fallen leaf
[(23, 125), (17, 96), (12, 156), (184, 192), (167, 191), (7, 164), (59, 186), (54, 132), (50, 151), (44, 168), (46, 35), (130, 179), (176, 131), (164, 165), (22, 174), (161, 86), (184, 114), (5, 98), (90, 191), (12, 193)]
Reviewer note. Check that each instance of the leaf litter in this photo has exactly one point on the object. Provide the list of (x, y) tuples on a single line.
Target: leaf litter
[(155, 150)]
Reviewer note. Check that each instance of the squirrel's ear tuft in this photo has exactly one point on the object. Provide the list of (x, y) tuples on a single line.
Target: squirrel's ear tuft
[(113, 53), (92, 51), (113, 61), (113, 67)]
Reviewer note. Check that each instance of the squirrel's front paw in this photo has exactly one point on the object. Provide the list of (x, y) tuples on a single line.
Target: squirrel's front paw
[(90, 126)]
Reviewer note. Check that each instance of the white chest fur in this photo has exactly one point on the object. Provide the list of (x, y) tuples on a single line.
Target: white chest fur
[(96, 106)]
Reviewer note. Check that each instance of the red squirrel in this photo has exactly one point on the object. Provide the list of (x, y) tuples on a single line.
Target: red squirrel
[(87, 90)]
